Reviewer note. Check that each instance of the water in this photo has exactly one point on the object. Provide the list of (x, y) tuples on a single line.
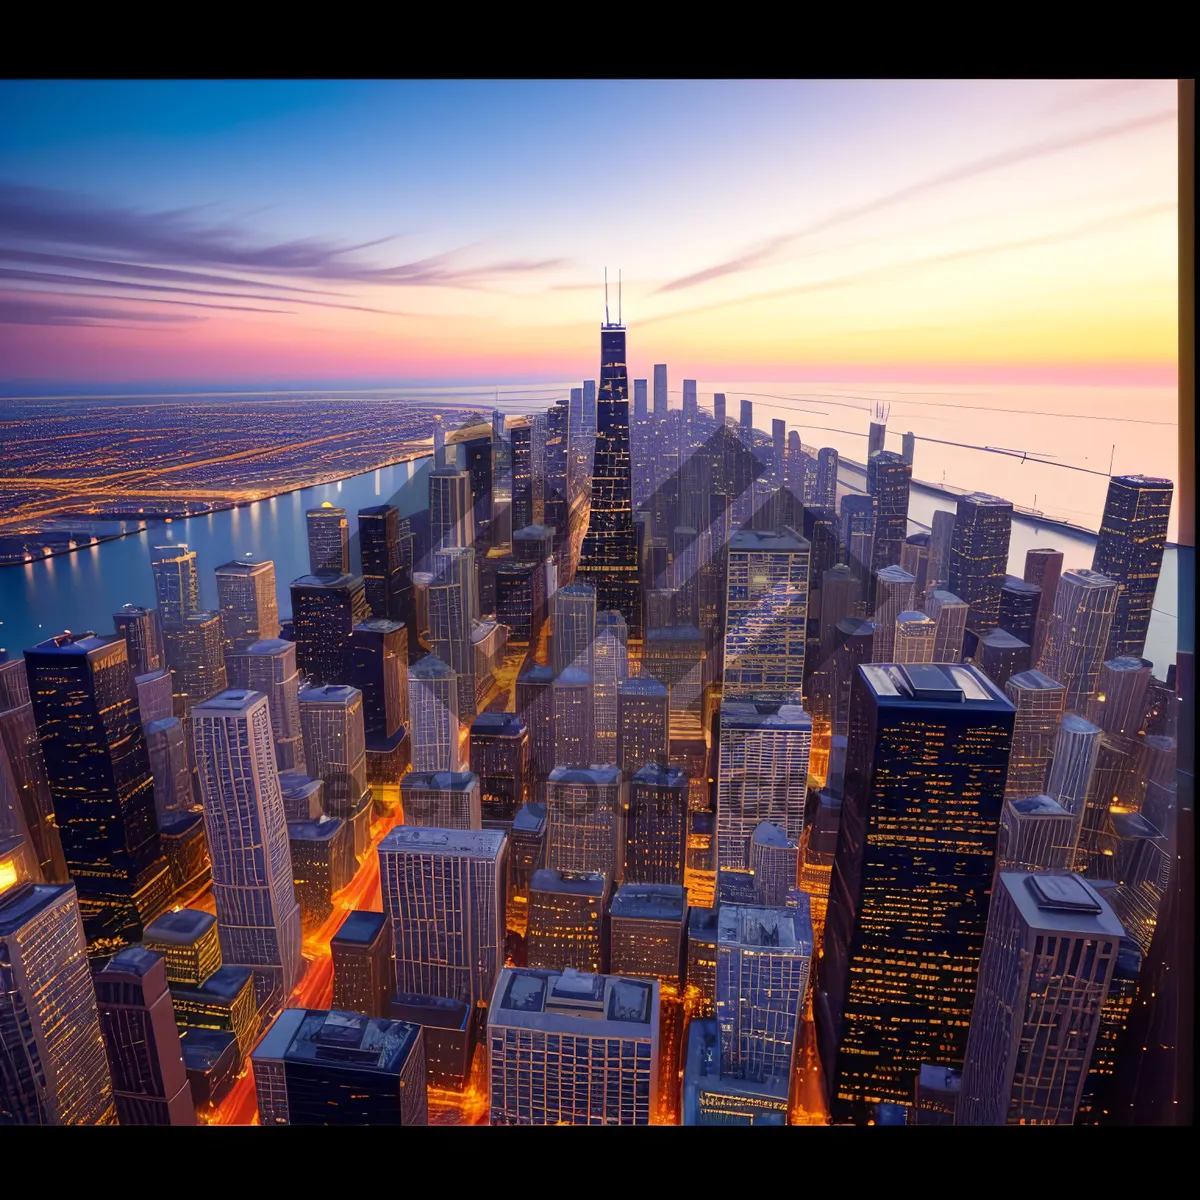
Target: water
[(82, 590)]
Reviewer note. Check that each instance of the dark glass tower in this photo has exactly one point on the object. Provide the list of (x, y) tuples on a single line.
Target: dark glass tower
[(388, 587), (100, 781), (609, 559), (1129, 549), (908, 903), (979, 556), (888, 478)]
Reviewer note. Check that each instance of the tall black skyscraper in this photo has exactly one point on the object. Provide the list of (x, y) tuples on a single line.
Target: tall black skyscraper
[(1133, 534), (888, 477), (388, 587), (609, 559)]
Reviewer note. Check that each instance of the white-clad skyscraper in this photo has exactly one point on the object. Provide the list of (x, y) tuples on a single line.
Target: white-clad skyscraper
[(258, 918), (1077, 636), (433, 706)]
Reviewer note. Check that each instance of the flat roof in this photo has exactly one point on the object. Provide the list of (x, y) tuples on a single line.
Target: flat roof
[(531, 817), (1060, 902), (329, 1035), (439, 781), (1074, 723), (429, 667), (379, 625), (321, 829), (748, 714), (509, 723), (787, 930), (768, 834), (597, 776), (650, 901), (293, 784), (226, 983), (1034, 681), (327, 579), (559, 1001), (702, 924), (536, 673), (932, 683), (360, 927), (331, 693), (768, 540), (1001, 639), (1038, 806), (571, 883), (133, 960), (246, 568), (573, 677), (642, 685), (656, 775), (183, 927), (232, 700), (470, 843)]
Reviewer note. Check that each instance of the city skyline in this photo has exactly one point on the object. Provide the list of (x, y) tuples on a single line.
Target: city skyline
[(904, 230)]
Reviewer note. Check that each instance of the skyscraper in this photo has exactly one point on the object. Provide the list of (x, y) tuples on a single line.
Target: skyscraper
[(586, 811), (574, 627), (998, 655), (610, 657), (915, 638), (1129, 550), (1074, 763), (1043, 567), (1079, 633), (362, 969), (656, 825), (857, 531), (325, 609), (55, 1070), (1036, 834), (660, 391), (648, 932), (1047, 962), (451, 513), (433, 706), (318, 1067), (855, 645), (940, 536), (137, 626), (1019, 604), (176, 583), (979, 555), (888, 477), (270, 667), (574, 729), (950, 615), (441, 799), (501, 757), (150, 1084), (608, 559), (596, 1055), (443, 892), (195, 652), (378, 667), (100, 782), (827, 476), (246, 599), (1119, 704), (335, 749), (643, 728), (775, 861), (923, 794), (452, 608), (169, 768), (522, 472), (894, 594), (568, 920), (766, 616), (258, 919), (762, 774), (1040, 703), (386, 579), (328, 539)]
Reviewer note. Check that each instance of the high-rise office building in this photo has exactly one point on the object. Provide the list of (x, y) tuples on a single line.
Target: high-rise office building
[(592, 1056), (1043, 567), (535, 704), (155, 695), (169, 768), (586, 813), (648, 932), (362, 970), (775, 860), (444, 893), (176, 583), (441, 799), (568, 920), (150, 1084), (660, 391), (100, 783), (501, 757), (941, 534), (452, 608), (55, 1070), (656, 825), (574, 627), (1073, 766), (1047, 962), (999, 655), (856, 534), (325, 609), (378, 667), (935, 1095), (1129, 551), (895, 592), (22, 748), (269, 667), (643, 724), (979, 555), (386, 578), (328, 539), (335, 748), (258, 919), (914, 558), (610, 658), (677, 658), (139, 628), (246, 600), (766, 616), (888, 477), (479, 455), (318, 1067), (433, 706), (1019, 604), (1078, 633), (195, 652), (574, 731), (827, 476), (451, 512), (762, 774), (608, 559), (521, 600), (522, 476), (1036, 834), (1119, 703), (1040, 703), (763, 961), (855, 645), (526, 850), (924, 788), (950, 615), (187, 939), (915, 638)]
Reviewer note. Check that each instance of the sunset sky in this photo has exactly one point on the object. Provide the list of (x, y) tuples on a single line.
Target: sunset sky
[(191, 234)]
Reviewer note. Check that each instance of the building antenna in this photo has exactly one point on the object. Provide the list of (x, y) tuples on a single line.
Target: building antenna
[(618, 295), (606, 295)]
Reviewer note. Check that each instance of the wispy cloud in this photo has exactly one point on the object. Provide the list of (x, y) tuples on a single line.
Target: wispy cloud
[(768, 251), (896, 270), (24, 310)]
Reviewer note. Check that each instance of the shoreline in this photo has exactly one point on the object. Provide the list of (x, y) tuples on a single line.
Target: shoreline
[(167, 518)]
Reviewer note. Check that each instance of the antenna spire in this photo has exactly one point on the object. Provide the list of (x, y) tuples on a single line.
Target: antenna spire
[(606, 295), (618, 295)]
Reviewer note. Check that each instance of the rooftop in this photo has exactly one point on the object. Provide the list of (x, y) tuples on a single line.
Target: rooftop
[(469, 843), (430, 667), (573, 677), (507, 723), (747, 714), (788, 930), (650, 901), (674, 633), (323, 829), (895, 574), (1014, 583), (133, 960), (360, 928), (246, 568), (1038, 806), (1060, 902), (768, 834), (296, 785), (203, 1049), (656, 775), (530, 818), (439, 781), (597, 776), (570, 883), (785, 542), (333, 693), (162, 724), (641, 685), (225, 983), (1074, 723), (180, 928), (367, 1043), (984, 499), (232, 700), (1001, 639), (327, 579), (1090, 578), (702, 924), (1033, 681), (563, 999), (379, 625), (931, 683), (533, 533)]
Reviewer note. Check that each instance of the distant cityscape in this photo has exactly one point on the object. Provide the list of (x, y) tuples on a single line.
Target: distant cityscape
[(653, 773)]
